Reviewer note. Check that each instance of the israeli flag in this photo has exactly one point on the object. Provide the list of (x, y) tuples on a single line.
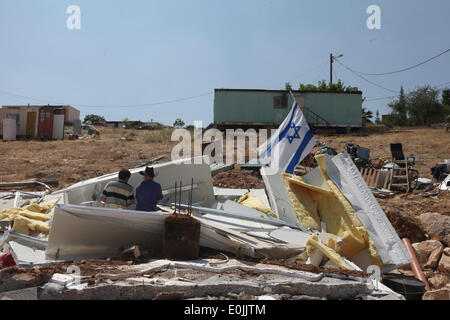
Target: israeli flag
[(290, 144)]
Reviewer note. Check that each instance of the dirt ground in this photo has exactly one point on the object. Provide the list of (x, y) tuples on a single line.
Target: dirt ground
[(71, 161)]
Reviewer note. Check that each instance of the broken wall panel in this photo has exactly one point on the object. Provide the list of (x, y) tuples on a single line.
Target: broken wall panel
[(168, 173), (342, 170), (279, 198), (88, 233)]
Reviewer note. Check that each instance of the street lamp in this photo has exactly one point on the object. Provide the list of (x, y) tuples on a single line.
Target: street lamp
[(331, 65)]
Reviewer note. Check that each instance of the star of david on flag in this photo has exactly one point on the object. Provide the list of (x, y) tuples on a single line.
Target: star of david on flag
[(295, 135)]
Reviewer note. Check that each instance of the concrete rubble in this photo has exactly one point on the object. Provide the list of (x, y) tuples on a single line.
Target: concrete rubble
[(254, 246)]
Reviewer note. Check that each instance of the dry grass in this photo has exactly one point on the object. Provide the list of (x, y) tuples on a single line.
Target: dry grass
[(71, 161), (431, 145)]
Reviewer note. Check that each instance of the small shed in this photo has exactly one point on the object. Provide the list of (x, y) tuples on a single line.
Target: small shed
[(51, 123), (28, 119)]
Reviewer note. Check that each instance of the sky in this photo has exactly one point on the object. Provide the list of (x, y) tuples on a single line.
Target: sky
[(161, 60)]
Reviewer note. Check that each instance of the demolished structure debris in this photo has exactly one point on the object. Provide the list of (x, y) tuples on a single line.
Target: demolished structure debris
[(327, 219)]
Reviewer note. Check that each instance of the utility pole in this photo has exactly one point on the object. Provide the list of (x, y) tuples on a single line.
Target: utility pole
[(331, 65)]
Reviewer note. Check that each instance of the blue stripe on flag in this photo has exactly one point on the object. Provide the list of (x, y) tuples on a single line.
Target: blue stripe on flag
[(282, 134), (294, 161)]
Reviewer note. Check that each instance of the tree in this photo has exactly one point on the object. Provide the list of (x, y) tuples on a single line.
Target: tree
[(423, 106), (127, 123), (178, 123), (324, 86), (93, 118), (367, 115), (446, 104), (377, 118), (287, 86), (399, 112), (446, 97)]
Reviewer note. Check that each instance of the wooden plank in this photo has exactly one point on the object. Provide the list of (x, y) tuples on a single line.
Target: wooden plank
[(386, 179), (366, 172), (368, 176), (363, 172), (373, 177), (377, 179)]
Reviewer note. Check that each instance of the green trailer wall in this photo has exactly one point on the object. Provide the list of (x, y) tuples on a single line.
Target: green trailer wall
[(256, 107)]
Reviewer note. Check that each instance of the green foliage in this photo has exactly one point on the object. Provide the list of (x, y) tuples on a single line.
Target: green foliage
[(178, 123), (420, 107), (127, 123), (446, 97), (424, 107), (367, 115), (323, 86), (446, 104), (93, 118), (287, 86), (377, 118), (399, 110)]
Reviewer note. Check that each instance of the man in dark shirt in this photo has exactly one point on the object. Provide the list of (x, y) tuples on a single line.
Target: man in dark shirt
[(149, 192)]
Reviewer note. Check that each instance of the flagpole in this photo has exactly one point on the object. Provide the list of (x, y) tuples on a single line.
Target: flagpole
[(293, 97)]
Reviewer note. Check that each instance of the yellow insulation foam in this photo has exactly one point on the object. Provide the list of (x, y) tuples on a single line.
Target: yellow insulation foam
[(314, 243), (303, 202), (31, 218), (26, 226), (314, 204), (36, 208), (354, 234), (26, 213), (249, 200)]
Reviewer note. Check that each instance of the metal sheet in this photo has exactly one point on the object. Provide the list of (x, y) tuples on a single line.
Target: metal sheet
[(290, 236), (58, 127), (279, 199), (234, 194), (9, 130), (85, 233)]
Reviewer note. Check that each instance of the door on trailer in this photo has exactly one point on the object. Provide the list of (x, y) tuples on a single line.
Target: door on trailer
[(45, 123), (31, 124)]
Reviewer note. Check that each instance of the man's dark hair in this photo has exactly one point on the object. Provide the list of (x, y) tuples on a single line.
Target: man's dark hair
[(124, 174)]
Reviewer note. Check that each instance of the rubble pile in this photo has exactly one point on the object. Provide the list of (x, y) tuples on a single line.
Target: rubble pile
[(260, 236), (434, 255)]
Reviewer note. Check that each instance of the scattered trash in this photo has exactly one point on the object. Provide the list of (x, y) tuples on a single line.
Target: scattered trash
[(6, 260), (133, 251)]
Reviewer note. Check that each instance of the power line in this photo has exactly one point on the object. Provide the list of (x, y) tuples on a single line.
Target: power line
[(148, 104), (335, 73), (105, 106), (382, 98), (358, 75), (391, 97), (404, 69)]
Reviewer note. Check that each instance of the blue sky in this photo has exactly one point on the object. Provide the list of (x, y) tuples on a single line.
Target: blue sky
[(130, 53)]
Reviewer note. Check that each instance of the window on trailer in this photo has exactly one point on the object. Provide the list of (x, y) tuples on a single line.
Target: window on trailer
[(280, 102)]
